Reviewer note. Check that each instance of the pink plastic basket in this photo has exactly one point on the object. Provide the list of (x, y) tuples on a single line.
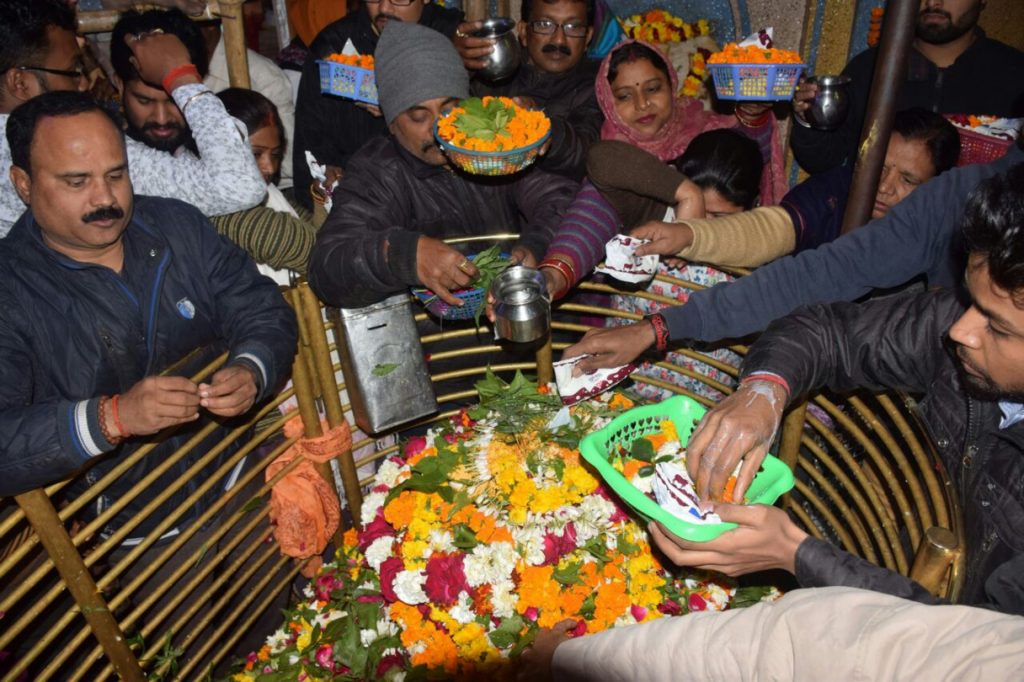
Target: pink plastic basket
[(350, 82), (978, 148)]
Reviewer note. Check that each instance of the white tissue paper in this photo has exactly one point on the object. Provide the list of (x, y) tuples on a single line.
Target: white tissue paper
[(763, 38), (622, 263), (319, 174), (574, 389), (675, 493)]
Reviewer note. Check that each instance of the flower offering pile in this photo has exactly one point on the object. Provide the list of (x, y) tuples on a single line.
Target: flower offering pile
[(488, 529), (755, 70), (661, 26), (492, 135), (350, 76)]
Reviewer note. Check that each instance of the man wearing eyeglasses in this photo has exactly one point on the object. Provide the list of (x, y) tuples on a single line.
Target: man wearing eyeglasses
[(333, 128), (40, 54), (554, 76)]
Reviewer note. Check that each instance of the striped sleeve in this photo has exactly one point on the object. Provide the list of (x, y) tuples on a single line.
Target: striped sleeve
[(586, 226)]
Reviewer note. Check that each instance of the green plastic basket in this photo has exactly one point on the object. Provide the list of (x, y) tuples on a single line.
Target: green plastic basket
[(772, 481)]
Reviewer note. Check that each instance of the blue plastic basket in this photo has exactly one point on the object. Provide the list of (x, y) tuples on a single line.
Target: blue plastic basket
[(491, 163), (474, 300), (756, 82), (350, 82)]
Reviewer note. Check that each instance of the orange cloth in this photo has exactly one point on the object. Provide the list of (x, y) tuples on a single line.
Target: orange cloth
[(303, 506), (308, 17)]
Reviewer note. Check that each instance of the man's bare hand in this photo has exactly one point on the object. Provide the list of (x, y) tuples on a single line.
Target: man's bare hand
[(741, 427), (611, 347), (156, 403), (536, 659), (804, 96), (154, 55), (231, 391), (372, 109), (443, 269), (667, 239), (765, 539), (475, 52), (689, 200)]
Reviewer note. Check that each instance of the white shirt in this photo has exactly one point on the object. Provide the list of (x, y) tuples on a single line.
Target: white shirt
[(226, 178), (268, 79)]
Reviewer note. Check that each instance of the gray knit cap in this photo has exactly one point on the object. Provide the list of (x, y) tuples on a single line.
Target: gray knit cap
[(414, 64)]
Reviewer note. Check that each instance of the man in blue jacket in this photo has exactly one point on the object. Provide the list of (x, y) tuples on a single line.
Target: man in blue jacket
[(100, 293)]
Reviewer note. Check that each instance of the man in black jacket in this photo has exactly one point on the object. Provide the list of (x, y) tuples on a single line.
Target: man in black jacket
[(953, 68), (967, 363), (555, 76), (333, 128), (399, 197), (100, 292)]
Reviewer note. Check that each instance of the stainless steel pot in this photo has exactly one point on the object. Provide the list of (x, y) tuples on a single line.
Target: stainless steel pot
[(522, 308), (504, 60), (830, 107)]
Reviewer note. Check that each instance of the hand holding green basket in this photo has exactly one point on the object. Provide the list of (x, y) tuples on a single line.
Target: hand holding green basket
[(607, 448)]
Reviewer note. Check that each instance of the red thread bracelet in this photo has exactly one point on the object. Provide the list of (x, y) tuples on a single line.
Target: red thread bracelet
[(767, 376), (179, 71), (117, 417), (661, 334), (563, 269)]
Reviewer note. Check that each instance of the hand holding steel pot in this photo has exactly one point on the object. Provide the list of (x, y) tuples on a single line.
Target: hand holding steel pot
[(505, 56), (823, 101)]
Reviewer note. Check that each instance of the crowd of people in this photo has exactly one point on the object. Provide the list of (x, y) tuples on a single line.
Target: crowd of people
[(150, 210)]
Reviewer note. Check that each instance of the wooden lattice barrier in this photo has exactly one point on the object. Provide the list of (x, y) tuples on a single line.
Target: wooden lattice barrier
[(80, 605)]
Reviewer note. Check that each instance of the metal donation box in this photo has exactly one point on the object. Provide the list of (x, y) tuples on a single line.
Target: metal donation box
[(382, 359)]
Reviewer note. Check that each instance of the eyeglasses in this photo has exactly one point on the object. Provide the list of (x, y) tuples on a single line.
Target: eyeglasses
[(396, 3), (546, 27), (77, 74)]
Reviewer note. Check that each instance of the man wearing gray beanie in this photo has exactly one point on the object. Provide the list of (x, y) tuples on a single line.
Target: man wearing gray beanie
[(400, 198)]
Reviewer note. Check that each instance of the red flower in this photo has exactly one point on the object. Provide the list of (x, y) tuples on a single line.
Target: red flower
[(325, 584), (531, 613), (696, 602), (579, 630), (387, 663), (388, 570), (557, 546), (378, 528), (325, 657), (415, 445), (639, 612), (445, 579), (670, 608)]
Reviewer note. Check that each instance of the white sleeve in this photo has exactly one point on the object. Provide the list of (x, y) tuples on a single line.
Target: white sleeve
[(223, 179)]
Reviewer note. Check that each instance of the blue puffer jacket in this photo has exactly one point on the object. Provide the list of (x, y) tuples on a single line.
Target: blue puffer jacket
[(71, 332)]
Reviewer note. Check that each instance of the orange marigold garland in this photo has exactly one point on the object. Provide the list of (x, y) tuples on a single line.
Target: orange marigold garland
[(363, 61), (661, 26), (754, 54)]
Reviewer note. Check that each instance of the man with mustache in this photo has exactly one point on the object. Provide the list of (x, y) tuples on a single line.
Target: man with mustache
[(333, 128), (41, 55), (101, 291), (953, 68), (554, 76), (399, 197)]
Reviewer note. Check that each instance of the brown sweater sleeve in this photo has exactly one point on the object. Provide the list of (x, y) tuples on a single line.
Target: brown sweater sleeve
[(744, 240), (637, 184)]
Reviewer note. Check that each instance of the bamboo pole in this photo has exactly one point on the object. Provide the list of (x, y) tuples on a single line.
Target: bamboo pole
[(545, 368), (475, 9), (792, 430), (890, 71), (100, 21), (40, 513), (233, 26), (330, 394)]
